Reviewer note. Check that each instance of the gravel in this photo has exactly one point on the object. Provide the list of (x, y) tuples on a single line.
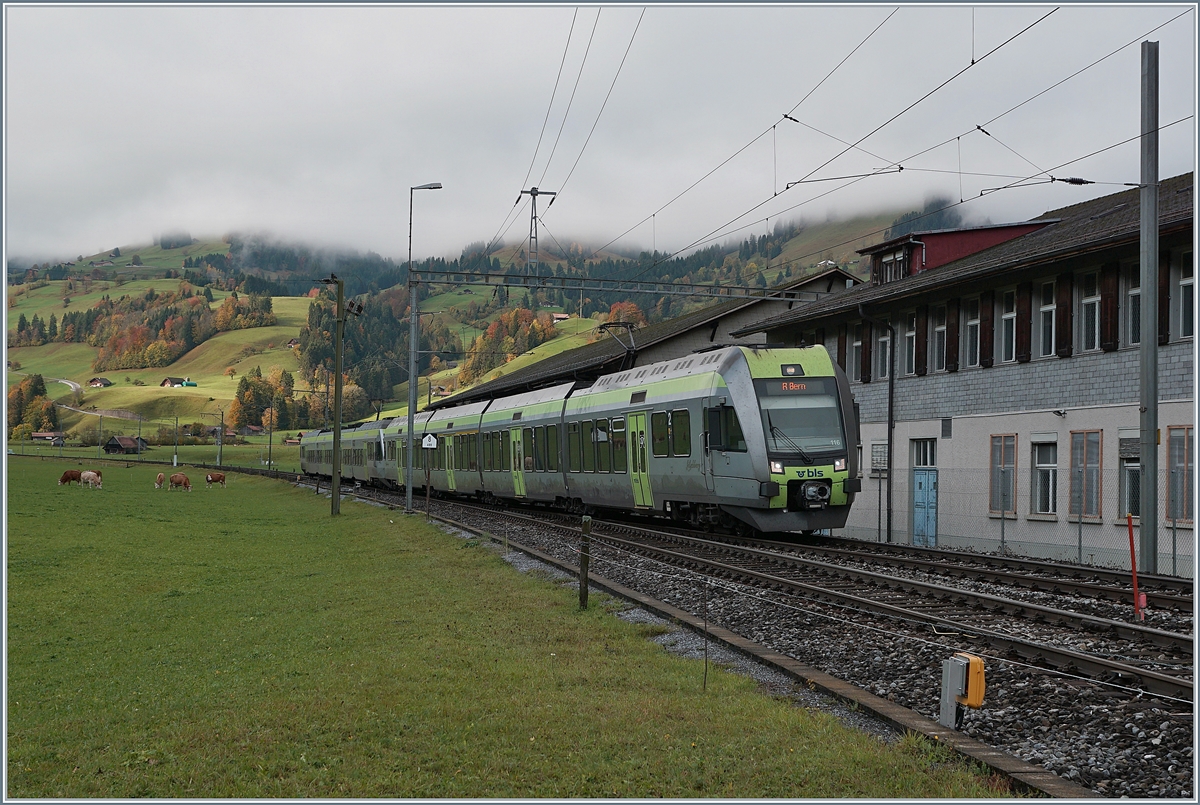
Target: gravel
[(1118, 742)]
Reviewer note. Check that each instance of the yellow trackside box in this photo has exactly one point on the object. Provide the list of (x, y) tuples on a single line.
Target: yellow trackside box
[(975, 685)]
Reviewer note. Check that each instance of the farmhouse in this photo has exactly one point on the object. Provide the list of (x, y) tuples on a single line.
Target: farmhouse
[(99, 382), (127, 445), (172, 382)]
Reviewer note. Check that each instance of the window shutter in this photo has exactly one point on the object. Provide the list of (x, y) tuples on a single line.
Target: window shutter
[(864, 365), (1110, 306), (841, 347), (1024, 322), (952, 335), (1064, 314), (987, 328), (1164, 297), (921, 359)]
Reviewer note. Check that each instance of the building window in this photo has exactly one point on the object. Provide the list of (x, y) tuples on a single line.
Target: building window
[(1179, 473), (885, 344), (855, 367), (1090, 320), (1044, 489), (1133, 308), (1186, 306), (910, 344), (1003, 474), (939, 338), (894, 266), (1131, 486), (1046, 314), (1085, 473), (971, 332), (924, 452), (1008, 326)]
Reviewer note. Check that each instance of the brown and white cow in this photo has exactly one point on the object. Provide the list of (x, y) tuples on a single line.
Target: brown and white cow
[(158, 482), (180, 480), (91, 479), (214, 478), (70, 476)]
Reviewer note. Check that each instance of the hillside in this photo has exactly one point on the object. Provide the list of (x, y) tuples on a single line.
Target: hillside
[(461, 314)]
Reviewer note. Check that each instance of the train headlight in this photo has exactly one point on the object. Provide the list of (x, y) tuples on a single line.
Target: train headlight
[(839, 464), (777, 467)]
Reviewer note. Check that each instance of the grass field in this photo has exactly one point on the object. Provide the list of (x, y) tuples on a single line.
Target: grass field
[(240, 642)]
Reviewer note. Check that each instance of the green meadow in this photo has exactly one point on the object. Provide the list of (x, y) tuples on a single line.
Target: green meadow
[(241, 642)]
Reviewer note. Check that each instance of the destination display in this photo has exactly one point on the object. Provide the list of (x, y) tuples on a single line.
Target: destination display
[(789, 387)]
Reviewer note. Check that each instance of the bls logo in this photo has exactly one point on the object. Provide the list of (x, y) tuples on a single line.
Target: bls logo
[(809, 473)]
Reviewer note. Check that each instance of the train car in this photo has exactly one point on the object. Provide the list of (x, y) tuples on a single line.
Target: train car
[(739, 438), (736, 437), (522, 446)]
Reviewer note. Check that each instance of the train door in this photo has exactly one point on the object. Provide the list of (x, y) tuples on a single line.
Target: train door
[(452, 444), (638, 471), (518, 462), (706, 457), (924, 494)]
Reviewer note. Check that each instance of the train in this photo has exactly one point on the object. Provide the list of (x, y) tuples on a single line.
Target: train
[(736, 438)]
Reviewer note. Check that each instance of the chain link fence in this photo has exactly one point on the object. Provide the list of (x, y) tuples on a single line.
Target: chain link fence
[(961, 509)]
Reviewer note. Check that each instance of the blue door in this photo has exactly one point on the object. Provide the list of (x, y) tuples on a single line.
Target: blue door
[(925, 507)]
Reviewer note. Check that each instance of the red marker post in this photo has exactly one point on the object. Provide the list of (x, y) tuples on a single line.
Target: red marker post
[(1137, 600)]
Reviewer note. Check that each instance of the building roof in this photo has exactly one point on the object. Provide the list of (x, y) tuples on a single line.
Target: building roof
[(606, 354), (1080, 230)]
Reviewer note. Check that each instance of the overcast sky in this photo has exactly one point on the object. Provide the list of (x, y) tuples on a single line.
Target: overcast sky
[(311, 122)]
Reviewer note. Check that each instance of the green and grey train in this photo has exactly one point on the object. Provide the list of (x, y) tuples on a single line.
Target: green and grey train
[(735, 438)]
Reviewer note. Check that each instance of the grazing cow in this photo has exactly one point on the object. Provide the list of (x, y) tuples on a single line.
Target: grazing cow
[(68, 477), (91, 479), (158, 482), (214, 478), (180, 480)]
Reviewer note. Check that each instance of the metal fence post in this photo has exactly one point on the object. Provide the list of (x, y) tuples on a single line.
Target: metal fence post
[(1176, 494), (1079, 510), (1004, 503)]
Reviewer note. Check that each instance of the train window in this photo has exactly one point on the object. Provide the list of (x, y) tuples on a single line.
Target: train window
[(539, 448), (573, 459), (603, 452), (486, 448), (724, 430), (619, 456), (681, 433), (589, 452), (506, 451), (527, 449), (659, 433), (473, 451), (552, 448)]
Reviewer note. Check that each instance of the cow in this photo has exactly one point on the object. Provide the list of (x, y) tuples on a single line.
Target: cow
[(214, 478), (158, 482), (91, 479), (68, 477), (180, 480)]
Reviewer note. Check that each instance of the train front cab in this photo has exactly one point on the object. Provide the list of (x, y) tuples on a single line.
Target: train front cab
[(785, 433)]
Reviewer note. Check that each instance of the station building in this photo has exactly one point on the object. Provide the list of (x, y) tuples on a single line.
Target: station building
[(1016, 381)]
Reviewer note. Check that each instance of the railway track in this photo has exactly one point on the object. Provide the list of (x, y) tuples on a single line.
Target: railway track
[(1035, 633), (1168, 592)]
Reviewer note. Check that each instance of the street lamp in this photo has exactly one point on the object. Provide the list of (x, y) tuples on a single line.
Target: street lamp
[(413, 338)]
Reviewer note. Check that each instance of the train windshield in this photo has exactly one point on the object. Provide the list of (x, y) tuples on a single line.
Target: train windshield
[(801, 416)]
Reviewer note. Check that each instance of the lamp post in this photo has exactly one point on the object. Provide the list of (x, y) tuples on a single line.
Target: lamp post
[(413, 338)]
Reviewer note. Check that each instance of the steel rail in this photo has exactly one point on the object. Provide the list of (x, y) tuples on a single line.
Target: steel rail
[(1051, 569)]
